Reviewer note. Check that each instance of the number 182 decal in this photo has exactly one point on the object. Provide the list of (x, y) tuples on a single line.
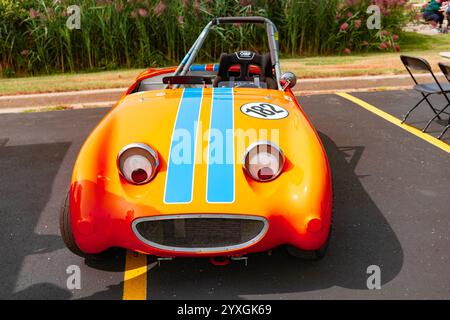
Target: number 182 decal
[(264, 110)]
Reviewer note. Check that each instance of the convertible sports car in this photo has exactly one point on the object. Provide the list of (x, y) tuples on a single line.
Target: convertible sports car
[(211, 161)]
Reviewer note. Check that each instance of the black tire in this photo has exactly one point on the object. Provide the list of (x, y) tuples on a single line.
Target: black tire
[(66, 229), (309, 254), (67, 235)]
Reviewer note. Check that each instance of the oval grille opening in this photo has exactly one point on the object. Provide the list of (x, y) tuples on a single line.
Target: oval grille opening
[(200, 233)]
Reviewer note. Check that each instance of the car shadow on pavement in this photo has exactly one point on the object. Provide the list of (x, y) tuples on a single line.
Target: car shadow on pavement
[(42, 291), (361, 237), (27, 175)]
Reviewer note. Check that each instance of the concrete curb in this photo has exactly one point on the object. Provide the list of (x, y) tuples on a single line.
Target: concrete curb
[(105, 104), (69, 99), (106, 97), (360, 82)]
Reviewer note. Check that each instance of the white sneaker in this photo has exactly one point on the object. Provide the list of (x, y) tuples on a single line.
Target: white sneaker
[(434, 31)]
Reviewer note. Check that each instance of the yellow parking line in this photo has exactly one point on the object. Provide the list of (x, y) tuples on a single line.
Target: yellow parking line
[(135, 276), (386, 116)]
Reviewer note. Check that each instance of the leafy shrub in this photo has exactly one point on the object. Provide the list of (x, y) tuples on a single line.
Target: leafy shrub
[(353, 33), (143, 33)]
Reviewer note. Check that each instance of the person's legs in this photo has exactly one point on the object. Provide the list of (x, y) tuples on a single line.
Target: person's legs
[(431, 17), (434, 18), (440, 19)]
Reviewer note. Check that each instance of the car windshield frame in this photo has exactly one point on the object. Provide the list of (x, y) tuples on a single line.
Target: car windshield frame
[(272, 36)]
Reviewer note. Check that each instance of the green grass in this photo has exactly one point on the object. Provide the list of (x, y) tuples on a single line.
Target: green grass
[(68, 82), (424, 46), (410, 41), (55, 108), (374, 63)]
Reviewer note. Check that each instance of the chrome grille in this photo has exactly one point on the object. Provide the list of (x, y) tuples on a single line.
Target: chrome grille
[(200, 233)]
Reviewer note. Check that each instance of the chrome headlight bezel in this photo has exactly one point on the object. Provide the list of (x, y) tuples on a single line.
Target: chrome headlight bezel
[(139, 149), (263, 146)]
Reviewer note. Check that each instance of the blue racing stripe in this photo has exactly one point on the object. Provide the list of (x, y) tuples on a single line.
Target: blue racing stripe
[(220, 180), (180, 167), (198, 67), (202, 67)]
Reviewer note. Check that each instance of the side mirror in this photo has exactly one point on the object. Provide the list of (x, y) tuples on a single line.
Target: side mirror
[(289, 78)]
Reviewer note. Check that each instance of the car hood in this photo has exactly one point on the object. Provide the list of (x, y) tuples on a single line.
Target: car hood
[(201, 136)]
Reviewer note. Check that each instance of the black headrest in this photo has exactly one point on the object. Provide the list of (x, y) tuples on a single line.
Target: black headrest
[(267, 66), (244, 59)]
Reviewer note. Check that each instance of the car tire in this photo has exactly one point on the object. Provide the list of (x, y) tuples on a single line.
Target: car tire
[(67, 235), (309, 254)]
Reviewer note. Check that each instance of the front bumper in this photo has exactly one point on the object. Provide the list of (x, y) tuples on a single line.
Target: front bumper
[(101, 220)]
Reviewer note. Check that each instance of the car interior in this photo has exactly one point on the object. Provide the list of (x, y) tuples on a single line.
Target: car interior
[(241, 69), (260, 76)]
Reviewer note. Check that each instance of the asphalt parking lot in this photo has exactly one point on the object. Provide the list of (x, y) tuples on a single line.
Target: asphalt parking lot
[(392, 191)]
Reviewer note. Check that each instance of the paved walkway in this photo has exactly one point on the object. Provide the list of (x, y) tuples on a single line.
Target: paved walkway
[(108, 97)]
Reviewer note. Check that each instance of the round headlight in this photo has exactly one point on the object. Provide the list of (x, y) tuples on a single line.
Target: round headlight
[(137, 163), (263, 161)]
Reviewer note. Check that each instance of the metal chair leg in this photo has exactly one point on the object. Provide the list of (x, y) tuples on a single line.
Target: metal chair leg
[(431, 106), (444, 131), (437, 115), (407, 114)]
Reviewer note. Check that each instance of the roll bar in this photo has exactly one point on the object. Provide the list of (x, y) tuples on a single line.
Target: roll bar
[(272, 35), (224, 20)]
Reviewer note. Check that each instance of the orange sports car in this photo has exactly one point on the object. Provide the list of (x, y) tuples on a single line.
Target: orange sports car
[(211, 161)]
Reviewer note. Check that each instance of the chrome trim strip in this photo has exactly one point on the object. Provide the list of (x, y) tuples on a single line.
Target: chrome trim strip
[(201, 215)]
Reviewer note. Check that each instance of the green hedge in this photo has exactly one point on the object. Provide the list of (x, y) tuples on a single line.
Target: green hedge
[(143, 33)]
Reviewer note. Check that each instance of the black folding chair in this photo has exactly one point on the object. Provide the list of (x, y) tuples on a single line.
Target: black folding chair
[(446, 71), (426, 89)]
